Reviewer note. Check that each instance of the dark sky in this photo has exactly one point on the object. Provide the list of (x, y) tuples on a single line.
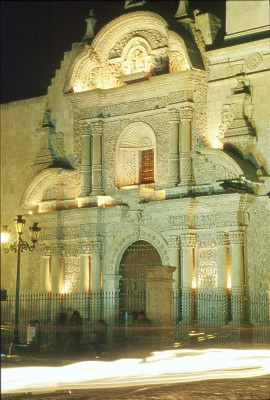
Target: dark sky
[(35, 34)]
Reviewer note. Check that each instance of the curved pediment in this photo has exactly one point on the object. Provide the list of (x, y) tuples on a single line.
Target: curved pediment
[(136, 43), (212, 165), (49, 187)]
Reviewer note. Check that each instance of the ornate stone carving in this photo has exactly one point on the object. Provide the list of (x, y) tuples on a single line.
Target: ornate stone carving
[(72, 273), (90, 247), (226, 119), (236, 237), (153, 37), (213, 166), (188, 240), (221, 238), (186, 112), (137, 60), (206, 267), (253, 61), (199, 122), (179, 221), (177, 62), (205, 240), (203, 221), (174, 241)]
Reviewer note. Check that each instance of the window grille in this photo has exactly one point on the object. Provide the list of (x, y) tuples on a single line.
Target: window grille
[(147, 166)]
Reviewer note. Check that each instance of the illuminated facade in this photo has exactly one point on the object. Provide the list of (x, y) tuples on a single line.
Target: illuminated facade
[(153, 142)]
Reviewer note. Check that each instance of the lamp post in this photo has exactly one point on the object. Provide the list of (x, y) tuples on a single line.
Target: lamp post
[(19, 246)]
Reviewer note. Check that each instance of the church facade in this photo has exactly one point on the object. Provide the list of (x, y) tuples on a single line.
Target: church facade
[(147, 164)]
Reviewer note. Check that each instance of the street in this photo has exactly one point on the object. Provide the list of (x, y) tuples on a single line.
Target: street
[(220, 389)]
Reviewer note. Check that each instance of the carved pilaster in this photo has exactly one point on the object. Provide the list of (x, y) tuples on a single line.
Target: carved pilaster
[(174, 148), (174, 256), (95, 271), (222, 242), (86, 162), (185, 162), (97, 129), (187, 250), (238, 276), (57, 274), (45, 281), (84, 273)]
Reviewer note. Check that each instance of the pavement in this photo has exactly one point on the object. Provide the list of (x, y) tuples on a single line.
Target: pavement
[(221, 389), (254, 388)]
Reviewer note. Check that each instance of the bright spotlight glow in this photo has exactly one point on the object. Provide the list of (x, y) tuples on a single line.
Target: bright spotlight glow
[(216, 143), (160, 367)]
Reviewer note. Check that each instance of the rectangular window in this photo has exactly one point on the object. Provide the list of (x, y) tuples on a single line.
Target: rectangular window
[(147, 166)]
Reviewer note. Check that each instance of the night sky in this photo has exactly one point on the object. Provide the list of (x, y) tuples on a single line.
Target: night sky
[(35, 34)]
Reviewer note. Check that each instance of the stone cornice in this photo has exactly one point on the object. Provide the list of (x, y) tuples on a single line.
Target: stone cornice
[(155, 86), (237, 51)]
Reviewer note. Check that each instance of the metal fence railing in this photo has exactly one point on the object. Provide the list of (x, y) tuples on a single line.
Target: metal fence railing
[(200, 318)]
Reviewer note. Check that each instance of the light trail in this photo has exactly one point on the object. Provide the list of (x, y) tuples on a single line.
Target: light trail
[(171, 366)]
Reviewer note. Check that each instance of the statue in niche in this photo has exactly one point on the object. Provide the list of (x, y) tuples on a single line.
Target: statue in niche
[(138, 61)]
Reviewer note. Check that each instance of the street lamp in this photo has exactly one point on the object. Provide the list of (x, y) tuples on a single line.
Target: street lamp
[(18, 246)]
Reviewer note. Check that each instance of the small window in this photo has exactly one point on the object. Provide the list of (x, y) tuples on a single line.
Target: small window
[(147, 166)]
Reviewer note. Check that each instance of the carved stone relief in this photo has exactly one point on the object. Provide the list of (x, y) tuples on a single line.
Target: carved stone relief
[(72, 274), (155, 39), (213, 166), (177, 62), (206, 268), (257, 245), (253, 61), (199, 122)]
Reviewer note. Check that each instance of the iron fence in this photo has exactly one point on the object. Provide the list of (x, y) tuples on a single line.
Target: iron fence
[(197, 318)]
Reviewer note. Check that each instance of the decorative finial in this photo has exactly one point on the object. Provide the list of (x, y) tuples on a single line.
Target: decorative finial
[(91, 22), (183, 10)]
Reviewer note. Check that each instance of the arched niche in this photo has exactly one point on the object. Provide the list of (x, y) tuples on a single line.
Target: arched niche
[(136, 155)]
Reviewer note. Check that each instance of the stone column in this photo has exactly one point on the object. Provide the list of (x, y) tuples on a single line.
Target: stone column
[(174, 257), (84, 273), (111, 298), (56, 271), (188, 269), (95, 271), (45, 278), (95, 266), (238, 277), (222, 263), (86, 162), (159, 294), (97, 129), (185, 144), (174, 148), (222, 310)]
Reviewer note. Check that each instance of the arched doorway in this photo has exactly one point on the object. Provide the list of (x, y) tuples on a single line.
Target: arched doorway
[(133, 267)]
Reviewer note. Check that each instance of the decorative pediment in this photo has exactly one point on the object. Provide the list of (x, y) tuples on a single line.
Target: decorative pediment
[(211, 165), (52, 189), (126, 47)]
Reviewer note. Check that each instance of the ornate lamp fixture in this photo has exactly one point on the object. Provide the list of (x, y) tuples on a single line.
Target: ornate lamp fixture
[(19, 246)]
